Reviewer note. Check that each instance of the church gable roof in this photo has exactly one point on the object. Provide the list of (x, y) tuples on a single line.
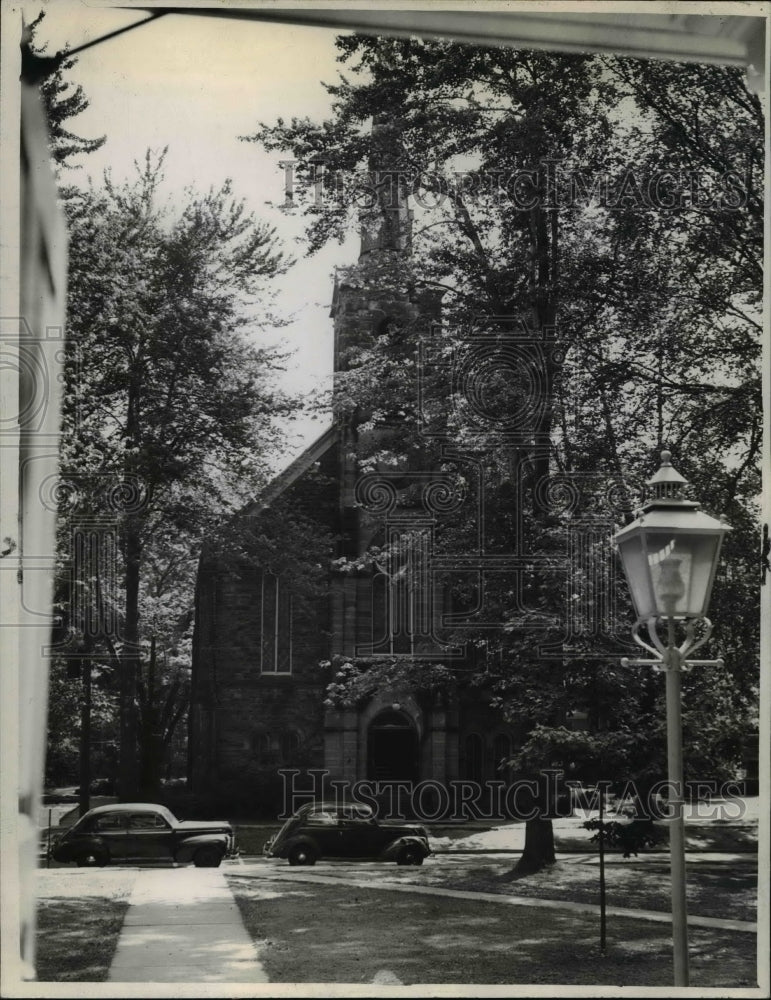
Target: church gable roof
[(295, 470)]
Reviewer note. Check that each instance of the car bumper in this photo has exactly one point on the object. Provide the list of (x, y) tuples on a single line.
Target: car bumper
[(272, 850)]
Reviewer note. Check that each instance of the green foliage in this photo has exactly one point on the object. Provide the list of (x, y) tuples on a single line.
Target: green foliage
[(582, 756), (355, 681), (170, 423), (64, 700), (174, 392), (165, 384), (63, 100), (629, 838)]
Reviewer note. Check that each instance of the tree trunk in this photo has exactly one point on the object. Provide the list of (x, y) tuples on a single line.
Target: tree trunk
[(539, 833), (539, 847), (84, 795), (128, 777), (150, 742), (151, 766)]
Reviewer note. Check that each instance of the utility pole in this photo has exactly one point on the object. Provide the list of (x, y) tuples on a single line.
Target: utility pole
[(85, 735)]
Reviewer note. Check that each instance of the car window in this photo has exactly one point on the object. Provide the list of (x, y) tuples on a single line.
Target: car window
[(321, 817), (147, 821), (109, 821), (356, 814)]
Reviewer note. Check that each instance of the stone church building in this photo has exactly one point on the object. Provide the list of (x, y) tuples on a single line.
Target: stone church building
[(260, 700)]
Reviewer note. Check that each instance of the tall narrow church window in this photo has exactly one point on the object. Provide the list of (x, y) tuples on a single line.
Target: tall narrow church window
[(475, 757), (290, 746), (401, 611), (261, 747), (275, 626), (381, 637)]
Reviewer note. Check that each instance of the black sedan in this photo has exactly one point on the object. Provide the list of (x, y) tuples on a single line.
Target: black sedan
[(140, 831), (323, 830)]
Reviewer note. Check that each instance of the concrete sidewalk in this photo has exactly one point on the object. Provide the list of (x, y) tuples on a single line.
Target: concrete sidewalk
[(565, 906), (184, 927)]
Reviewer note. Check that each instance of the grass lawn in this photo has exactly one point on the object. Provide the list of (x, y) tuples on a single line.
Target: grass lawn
[(76, 939), (251, 837), (320, 933), (721, 889), (79, 917)]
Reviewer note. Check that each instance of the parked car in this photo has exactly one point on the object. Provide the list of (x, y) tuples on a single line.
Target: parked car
[(102, 786), (140, 831), (324, 830)]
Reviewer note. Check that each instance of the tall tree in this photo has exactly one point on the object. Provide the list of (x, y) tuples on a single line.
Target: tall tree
[(170, 416)]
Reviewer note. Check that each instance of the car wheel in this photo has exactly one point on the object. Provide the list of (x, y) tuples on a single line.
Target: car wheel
[(91, 859), (410, 856), (302, 854), (207, 857)]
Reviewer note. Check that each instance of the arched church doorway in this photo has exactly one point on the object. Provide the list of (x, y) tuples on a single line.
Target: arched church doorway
[(392, 748)]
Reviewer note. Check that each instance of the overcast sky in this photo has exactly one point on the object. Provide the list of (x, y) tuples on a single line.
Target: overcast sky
[(196, 84)]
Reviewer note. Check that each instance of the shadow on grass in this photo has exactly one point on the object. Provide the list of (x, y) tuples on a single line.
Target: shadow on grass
[(351, 935), (76, 938), (714, 890), (512, 875), (721, 836), (717, 836)]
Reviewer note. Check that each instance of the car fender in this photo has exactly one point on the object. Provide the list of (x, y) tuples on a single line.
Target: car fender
[(190, 845), (301, 840), (393, 849), (68, 850)]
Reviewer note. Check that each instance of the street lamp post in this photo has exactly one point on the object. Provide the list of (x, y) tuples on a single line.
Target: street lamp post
[(670, 554)]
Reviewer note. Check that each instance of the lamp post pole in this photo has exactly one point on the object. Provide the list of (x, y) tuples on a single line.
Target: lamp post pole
[(672, 666), (671, 659), (670, 554)]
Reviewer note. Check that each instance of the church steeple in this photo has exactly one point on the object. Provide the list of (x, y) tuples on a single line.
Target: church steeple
[(385, 219), (376, 291)]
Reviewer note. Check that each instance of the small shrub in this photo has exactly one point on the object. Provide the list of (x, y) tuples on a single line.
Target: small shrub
[(629, 838)]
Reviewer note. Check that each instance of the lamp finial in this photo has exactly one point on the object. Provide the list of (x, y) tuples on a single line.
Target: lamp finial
[(667, 484)]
